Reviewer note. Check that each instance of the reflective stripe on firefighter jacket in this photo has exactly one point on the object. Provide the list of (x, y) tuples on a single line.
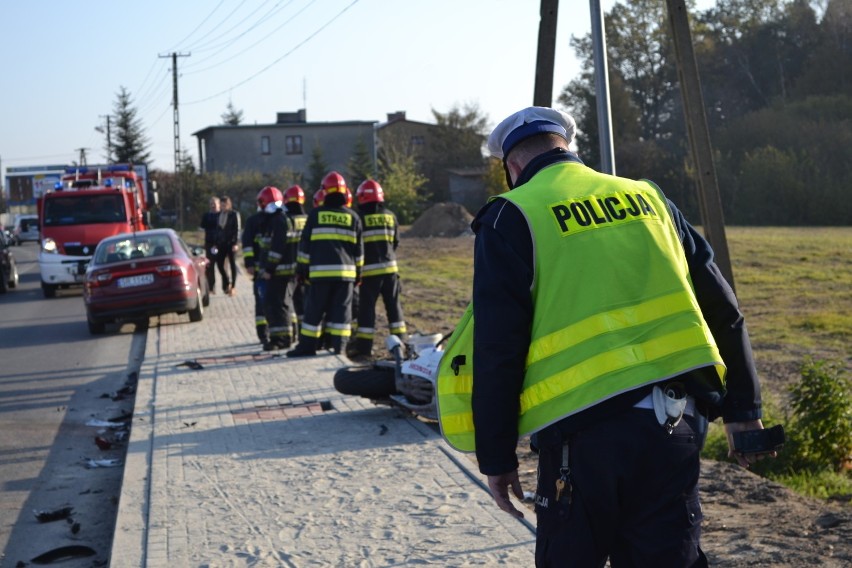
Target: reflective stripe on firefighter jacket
[(331, 245), (381, 237), (294, 235), (591, 339), (250, 242), (275, 257)]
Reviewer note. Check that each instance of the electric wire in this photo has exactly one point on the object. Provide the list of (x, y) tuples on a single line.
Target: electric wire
[(199, 25), (237, 54), (228, 42), (287, 54)]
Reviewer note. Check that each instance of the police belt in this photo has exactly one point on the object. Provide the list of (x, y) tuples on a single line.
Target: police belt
[(648, 404)]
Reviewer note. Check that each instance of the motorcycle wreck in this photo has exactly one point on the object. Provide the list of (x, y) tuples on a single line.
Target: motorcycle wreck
[(407, 380)]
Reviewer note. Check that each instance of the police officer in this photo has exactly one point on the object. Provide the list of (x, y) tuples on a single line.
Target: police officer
[(331, 253), (294, 204), (277, 266), (380, 275), (251, 254), (602, 327)]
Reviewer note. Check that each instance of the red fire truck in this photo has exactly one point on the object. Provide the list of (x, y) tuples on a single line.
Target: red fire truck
[(87, 205)]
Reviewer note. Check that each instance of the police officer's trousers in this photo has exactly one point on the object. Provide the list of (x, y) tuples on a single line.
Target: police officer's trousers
[(631, 494)]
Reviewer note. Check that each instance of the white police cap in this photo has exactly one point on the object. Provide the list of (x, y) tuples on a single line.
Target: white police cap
[(529, 122)]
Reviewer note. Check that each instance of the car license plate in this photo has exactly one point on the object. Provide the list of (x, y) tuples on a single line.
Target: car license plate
[(130, 281)]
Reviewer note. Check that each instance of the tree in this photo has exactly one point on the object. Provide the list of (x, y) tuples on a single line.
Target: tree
[(402, 184), (495, 177), (316, 169), (361, 166), (457, 143), (131, 144), (232, 116)]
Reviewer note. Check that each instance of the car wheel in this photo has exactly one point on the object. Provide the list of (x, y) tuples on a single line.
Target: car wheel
[(49, 290), (95, 327), (197, 313)]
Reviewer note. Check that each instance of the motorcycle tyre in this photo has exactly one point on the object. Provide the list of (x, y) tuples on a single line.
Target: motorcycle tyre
[(370, 381)]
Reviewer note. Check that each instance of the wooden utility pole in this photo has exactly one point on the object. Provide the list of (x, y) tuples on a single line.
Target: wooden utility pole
[(698, 132), (546, 59)]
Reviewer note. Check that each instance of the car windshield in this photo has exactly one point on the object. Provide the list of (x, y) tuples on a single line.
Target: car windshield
[(132, 247), (83, 209)]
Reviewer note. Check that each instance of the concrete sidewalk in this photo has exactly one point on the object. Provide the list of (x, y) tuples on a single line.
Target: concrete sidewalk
[(255, 460)]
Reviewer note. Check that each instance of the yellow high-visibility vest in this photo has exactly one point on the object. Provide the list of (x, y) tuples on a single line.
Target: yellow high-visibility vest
[(614, 307)]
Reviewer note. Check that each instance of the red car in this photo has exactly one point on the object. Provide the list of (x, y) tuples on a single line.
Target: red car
[(143, 274)]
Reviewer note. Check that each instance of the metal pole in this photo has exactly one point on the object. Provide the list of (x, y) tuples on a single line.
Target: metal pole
[(602, 88)]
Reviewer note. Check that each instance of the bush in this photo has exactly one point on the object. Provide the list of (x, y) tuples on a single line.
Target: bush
[(818, 425)]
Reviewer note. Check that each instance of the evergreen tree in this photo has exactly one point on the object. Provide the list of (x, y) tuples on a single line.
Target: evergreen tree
[(130, 143), (232, 116), (360, 165), (316, 171)]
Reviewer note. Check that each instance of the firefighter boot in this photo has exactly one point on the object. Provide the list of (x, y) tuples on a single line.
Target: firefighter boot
[(360, 350), (307, 347), (338, 344)]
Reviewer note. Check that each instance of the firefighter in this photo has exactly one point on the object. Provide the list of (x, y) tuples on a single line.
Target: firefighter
[(251, 255), (276, 267), (380, 275), (331, 253), (294, 204)]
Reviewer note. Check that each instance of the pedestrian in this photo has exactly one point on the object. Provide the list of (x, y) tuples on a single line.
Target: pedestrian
[(230, 237), (212, 236), (380, 275), (277, 264), (294, 204), (604, 329), (331, 253), (251, 255)]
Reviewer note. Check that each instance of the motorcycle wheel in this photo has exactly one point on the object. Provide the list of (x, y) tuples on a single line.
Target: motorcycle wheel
[(370, 382)]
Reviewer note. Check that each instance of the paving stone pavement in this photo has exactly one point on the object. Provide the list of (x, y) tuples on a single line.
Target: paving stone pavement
[(255, 460)]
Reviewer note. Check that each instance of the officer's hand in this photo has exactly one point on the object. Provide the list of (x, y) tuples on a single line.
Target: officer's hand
[(744, 459), (265, 275), (250, 270), (498, 486)]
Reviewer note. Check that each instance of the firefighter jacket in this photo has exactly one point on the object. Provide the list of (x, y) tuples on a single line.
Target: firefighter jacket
[(381, 237), (294, 235), (275, 257), (331, 246), (592, 339), (250, 240)]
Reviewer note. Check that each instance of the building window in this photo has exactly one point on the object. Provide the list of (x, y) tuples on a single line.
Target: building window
[(417, 141), (264, 145), (293, 144)]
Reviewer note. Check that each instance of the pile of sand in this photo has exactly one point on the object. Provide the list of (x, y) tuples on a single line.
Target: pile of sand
[(442, 220)]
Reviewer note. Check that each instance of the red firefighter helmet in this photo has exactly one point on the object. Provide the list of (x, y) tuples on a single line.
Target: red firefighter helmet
[(294, 194), (270, 198), (319, 197), (370, 192), (348, 197), (333, 182)]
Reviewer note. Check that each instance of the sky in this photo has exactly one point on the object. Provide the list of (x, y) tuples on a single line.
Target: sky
[(63, 63)]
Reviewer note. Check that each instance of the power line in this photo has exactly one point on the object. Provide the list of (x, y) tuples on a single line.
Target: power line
[(212, 45), (237, 54), (303, 42), (199, 25)]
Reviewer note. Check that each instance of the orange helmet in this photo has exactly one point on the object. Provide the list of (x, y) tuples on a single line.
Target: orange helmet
[(270, 198), (370, 192), (333, 182), (319, 197), (294, 194)]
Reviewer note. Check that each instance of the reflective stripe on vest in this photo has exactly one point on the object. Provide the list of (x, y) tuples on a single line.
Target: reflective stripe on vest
[(591, 343)]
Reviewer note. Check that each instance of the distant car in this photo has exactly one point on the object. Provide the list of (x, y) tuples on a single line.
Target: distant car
[(8, 268), (139, 275), (26, 228)]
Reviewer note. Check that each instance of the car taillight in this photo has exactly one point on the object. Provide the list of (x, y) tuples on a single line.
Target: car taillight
[(95, 279), (170, 270)]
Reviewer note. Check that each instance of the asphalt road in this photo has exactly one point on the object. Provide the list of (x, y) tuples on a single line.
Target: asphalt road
[(54, 378)]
